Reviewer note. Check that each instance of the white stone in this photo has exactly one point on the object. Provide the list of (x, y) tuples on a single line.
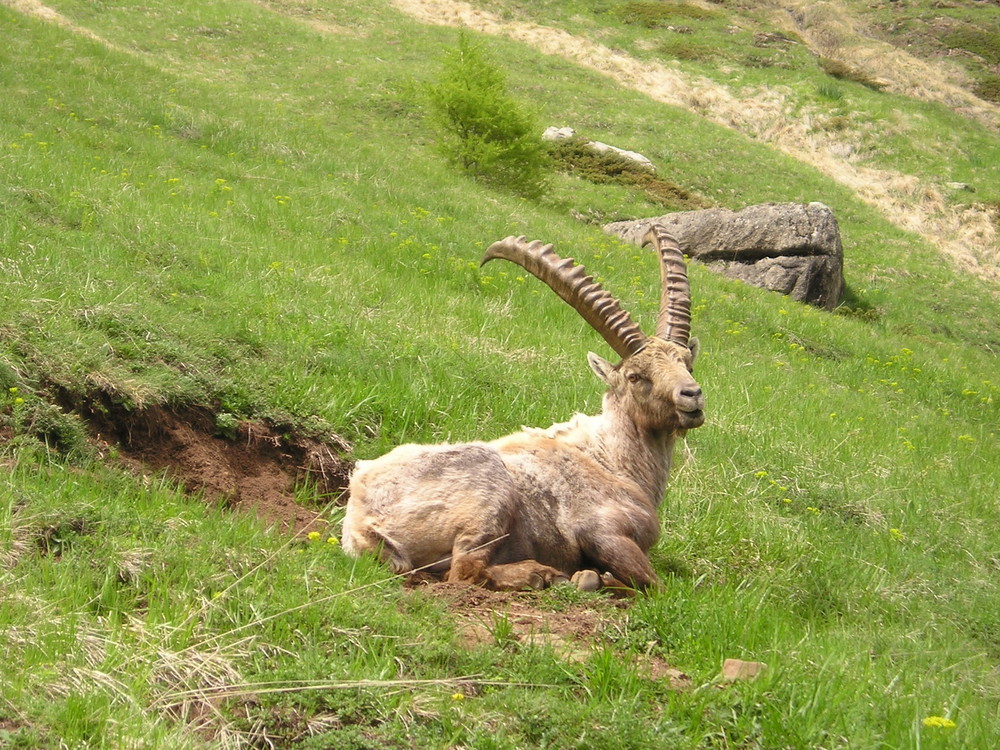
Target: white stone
[(561, 134)]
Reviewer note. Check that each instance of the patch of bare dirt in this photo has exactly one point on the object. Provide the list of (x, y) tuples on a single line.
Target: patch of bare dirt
[(528, 618), (480, 610), (256, 471)]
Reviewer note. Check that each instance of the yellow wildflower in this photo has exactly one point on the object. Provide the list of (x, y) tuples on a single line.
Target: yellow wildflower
[(939, 721), (313, 536)]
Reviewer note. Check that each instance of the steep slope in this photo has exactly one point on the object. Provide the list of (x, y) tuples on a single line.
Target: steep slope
[(236, 215)]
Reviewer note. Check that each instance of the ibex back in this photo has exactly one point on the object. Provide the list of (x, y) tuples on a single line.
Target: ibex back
[(541, 505)]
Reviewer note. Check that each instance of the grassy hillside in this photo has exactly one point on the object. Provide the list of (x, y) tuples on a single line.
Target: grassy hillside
[(239, 210)]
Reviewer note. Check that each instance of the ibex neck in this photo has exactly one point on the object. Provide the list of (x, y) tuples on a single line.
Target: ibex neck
[(638, 454), (617, 444)]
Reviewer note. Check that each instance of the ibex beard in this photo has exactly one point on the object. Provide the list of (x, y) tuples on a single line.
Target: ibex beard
[(544, 505)]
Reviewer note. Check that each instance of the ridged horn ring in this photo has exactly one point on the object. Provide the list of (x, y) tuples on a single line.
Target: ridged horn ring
[(674, 320), (571, 282)]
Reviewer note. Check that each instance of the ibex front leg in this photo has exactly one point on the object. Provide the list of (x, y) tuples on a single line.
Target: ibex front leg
[(623, 559), (471, 560)]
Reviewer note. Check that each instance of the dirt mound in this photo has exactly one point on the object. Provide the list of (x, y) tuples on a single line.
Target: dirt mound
[(575, 631), (488, 616), (256, 467)]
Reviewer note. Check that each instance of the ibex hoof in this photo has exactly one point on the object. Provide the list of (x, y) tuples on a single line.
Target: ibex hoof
[(542, 579), (586, 580), (526, 574), (616, 587)]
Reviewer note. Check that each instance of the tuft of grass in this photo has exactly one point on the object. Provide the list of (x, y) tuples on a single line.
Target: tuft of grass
[(652, 15), (844, 72), (831, 91)]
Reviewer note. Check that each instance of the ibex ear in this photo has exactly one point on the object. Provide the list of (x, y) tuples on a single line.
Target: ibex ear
[(601, 367), (693, 346)]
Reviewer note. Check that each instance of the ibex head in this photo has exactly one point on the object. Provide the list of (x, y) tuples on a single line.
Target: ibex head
[(653, 382)]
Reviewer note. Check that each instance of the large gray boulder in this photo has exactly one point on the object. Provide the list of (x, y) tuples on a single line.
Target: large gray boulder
[(790, 248)]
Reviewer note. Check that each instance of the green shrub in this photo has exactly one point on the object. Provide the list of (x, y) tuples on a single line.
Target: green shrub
[(29, 419), (486, 131), (683, 47), (982, 42)]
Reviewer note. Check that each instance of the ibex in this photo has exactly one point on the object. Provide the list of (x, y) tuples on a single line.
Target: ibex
[(539, 506)]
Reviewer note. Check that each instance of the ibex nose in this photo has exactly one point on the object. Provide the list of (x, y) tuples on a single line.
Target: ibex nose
[(691, 404), (691, 392)]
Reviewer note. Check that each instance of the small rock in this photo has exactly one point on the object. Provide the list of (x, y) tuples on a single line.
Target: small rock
[(658, 669), (734, 670), (558, 134), (630, 155)]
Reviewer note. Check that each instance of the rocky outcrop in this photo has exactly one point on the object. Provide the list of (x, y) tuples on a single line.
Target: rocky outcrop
[(790, 248)]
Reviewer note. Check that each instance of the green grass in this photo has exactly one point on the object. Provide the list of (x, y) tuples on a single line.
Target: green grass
[(235, 206), (658, 14)]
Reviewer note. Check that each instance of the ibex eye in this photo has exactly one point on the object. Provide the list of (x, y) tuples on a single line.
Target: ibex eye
[(633, 378)]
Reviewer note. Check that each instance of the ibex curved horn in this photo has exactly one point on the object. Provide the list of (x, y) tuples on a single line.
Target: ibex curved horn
[(674, 321), (571, 282)]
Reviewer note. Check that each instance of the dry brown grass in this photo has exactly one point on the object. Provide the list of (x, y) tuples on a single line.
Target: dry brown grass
[(832, 32)]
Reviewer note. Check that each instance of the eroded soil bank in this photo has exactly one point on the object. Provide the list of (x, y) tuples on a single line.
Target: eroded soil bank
[(256, 466)]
